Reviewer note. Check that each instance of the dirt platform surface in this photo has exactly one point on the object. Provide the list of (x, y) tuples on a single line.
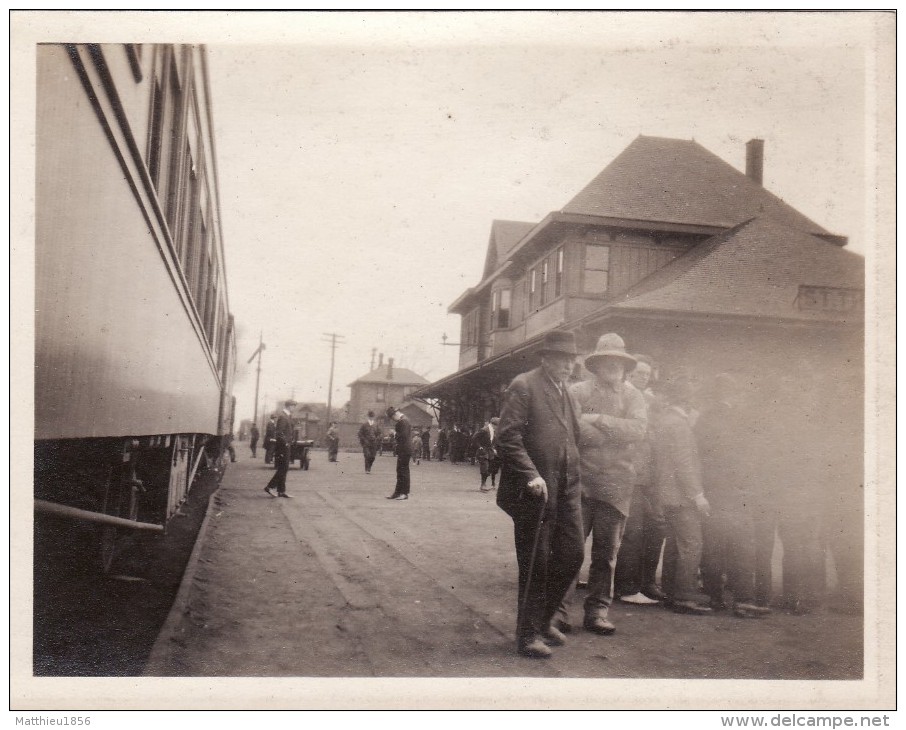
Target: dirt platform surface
[(341, 582)]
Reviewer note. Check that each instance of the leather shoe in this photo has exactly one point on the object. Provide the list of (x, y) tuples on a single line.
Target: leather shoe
[(269, 491), (285, 495), (598, 625), (535, 648), (552, 636), (564, 627), (654, 591), (691, 607), (747, 610), (399, 497)]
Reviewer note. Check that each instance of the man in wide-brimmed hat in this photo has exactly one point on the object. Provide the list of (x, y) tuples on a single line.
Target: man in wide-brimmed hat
[(539, 488), (613, 418)]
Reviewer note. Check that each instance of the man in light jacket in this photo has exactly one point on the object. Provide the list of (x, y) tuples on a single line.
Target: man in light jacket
[(614, 417)]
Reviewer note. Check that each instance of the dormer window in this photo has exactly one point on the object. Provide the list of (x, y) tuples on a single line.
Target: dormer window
[(500, 309), (597, 268)]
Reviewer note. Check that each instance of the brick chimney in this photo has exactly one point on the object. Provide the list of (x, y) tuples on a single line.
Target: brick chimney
[(755, 160), (380, 362), (390, 368)]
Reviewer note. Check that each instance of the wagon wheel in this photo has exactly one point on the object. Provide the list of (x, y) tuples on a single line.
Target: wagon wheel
[(121, 499)]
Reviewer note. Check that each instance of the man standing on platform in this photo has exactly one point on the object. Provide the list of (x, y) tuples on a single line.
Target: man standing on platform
[(613, 418), (283, 441), (369, 438), (403, 453), (539, 489), (269, 432), (254, 434)]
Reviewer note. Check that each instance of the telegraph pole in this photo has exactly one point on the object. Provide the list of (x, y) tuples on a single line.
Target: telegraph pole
[(333, 338), (257, 352)]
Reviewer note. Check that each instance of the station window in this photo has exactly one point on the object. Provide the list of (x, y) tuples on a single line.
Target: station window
[(544, 280), (597, 268), (502, 320)]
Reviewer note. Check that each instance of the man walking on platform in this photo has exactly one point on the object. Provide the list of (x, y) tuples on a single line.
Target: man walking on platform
[(283, 440), (539, 489), (369, 438), (403, 453)]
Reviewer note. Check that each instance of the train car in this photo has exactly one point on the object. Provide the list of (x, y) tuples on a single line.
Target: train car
[(134, 342)]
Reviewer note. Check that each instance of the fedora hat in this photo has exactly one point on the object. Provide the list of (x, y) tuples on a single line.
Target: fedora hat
[(610, 345), (390, 411), (560, 341)]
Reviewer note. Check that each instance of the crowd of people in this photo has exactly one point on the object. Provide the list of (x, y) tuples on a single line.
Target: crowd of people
[(707, 472), (658, 471)]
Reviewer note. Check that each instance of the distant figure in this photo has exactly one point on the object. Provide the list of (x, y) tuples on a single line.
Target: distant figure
[(370, 439), (333, 441), (485, 446), (728, 473), (228, 444), (403, 453), (426, 444), (539, 489), (417, 448), (254, 434), (283, 441), (443, 442), (269, 435), (678, 480)]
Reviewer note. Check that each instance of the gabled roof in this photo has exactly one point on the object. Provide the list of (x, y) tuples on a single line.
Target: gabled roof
[(679, 181), (504, 237), (399, 376), (754, 269)]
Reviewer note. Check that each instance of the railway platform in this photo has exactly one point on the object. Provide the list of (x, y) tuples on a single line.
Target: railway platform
[(341, 582)]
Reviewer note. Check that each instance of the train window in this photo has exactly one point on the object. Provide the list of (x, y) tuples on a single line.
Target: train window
[(172, 157)]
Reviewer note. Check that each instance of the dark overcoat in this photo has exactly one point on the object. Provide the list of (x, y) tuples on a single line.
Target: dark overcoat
[(537, 434)]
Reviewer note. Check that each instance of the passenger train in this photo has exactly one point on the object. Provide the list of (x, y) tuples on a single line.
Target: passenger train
[(135, 348)]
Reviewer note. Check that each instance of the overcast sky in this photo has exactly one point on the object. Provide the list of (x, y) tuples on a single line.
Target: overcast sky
[(362, 158)]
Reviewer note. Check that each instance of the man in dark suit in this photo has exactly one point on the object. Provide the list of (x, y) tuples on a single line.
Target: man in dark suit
[(370, 439), (254, 435), (269, 432), (283, 441), (485, 444), (403, 453), (539, 489)]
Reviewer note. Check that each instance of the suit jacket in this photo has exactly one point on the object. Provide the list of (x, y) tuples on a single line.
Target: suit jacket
[(485, 445), (368, 435), (538, 434), (283, 433), (403, 437)]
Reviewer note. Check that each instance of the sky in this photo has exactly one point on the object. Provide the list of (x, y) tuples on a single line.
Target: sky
[(362, 159)]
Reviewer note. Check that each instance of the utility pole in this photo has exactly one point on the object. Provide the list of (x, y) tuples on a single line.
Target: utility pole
[(332, 338), (261, 348)]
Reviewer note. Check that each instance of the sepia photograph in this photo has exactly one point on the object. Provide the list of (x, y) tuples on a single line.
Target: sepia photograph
[(434, 360)]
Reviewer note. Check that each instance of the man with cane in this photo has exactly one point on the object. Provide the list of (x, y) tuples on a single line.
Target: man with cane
[(539, 489)]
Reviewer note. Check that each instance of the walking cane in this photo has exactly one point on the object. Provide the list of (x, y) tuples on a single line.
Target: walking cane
[(531, 569)]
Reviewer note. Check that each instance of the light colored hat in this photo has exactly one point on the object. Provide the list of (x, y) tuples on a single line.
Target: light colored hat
[(610, 345)]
